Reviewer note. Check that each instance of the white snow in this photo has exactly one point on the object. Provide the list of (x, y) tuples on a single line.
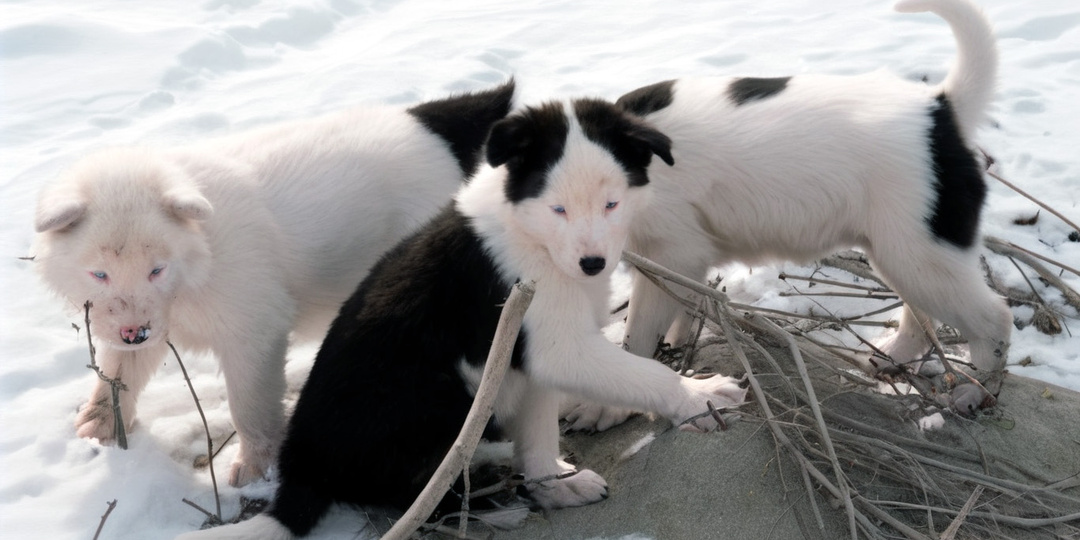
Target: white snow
[(75, 76), (637, 446), (931, 422)]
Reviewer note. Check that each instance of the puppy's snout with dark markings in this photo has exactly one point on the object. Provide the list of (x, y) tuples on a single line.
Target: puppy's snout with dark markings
[(592, 265), (134, 335)]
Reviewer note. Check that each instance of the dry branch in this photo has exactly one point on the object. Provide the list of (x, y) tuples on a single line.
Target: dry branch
[(105, 516), (723, 307), (818, 281), (206, 428), (115, 385), (1034, 200), (849, 466), (457, 459), (1008, 249), (950, 532)]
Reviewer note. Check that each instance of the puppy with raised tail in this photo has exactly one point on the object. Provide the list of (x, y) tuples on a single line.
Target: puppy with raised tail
[(792, 168)]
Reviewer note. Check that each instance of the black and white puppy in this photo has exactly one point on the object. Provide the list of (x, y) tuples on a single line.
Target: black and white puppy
[(393, 382), (791, 168)]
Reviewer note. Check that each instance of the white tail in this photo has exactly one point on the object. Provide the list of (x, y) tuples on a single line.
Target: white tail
[(971, 81)]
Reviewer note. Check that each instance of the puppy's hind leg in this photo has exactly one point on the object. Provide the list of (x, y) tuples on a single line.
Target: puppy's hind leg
[(653, 312), (907, 344), (945, 282), (533, 425)]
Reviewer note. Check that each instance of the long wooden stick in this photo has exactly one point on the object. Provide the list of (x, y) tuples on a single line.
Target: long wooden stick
[(457, 459)]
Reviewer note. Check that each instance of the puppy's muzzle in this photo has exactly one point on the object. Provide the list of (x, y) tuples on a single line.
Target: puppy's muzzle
[(134, 335), (592, 265)]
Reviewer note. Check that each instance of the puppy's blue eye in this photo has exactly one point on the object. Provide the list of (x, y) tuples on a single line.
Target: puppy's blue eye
[(558, 209), (157, 270), (100, 276), (611, 205)]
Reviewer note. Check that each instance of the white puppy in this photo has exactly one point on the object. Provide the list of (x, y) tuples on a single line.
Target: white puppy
[(791, 168), (230, 245)]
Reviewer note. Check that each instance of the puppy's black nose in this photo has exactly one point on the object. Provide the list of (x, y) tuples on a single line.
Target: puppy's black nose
[(133, 335), (592, 265)]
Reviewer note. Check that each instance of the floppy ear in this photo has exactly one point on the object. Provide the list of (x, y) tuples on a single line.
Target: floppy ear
[(57, 212), (507, 139), (656, 142), (187, 203)]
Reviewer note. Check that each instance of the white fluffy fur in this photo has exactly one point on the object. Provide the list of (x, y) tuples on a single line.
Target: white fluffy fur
[(261, 526), (566, 349), (828, 162), (251, 237)]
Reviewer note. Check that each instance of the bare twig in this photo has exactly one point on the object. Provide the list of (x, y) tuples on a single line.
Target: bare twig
[(1031, 198), (928, 329), (1027, 523), (866, 295), (953, 527), (720, 423), (461, 452), (813, 280), (112, 504), (206, 512), (816, 409), (222, 445), (1007, 249), (115, 385), (829, 319), (1003, 247), (206, 427)]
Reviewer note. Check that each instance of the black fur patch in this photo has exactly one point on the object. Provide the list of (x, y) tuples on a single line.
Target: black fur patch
[(752, 88), (464, 120), (629, 139), (529, 143), (384, 400), (648, 99), (958, 180)]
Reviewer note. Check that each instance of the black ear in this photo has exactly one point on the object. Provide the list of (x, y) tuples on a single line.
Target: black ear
[(631, 140), (509, 137), (656, 142)]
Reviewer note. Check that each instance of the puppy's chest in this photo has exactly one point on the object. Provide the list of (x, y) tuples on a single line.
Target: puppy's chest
[(555, 321)]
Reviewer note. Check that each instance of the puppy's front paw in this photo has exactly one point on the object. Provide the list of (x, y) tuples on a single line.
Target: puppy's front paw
[(96, 421), (250, 465), (569, 489), (589, 416), (719, 390)]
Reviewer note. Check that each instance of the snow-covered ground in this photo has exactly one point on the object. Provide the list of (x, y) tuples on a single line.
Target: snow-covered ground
[(75, 76)]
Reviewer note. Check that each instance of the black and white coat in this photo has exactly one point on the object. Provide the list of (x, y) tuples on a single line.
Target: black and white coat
[(393, 381), (792, 168)]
